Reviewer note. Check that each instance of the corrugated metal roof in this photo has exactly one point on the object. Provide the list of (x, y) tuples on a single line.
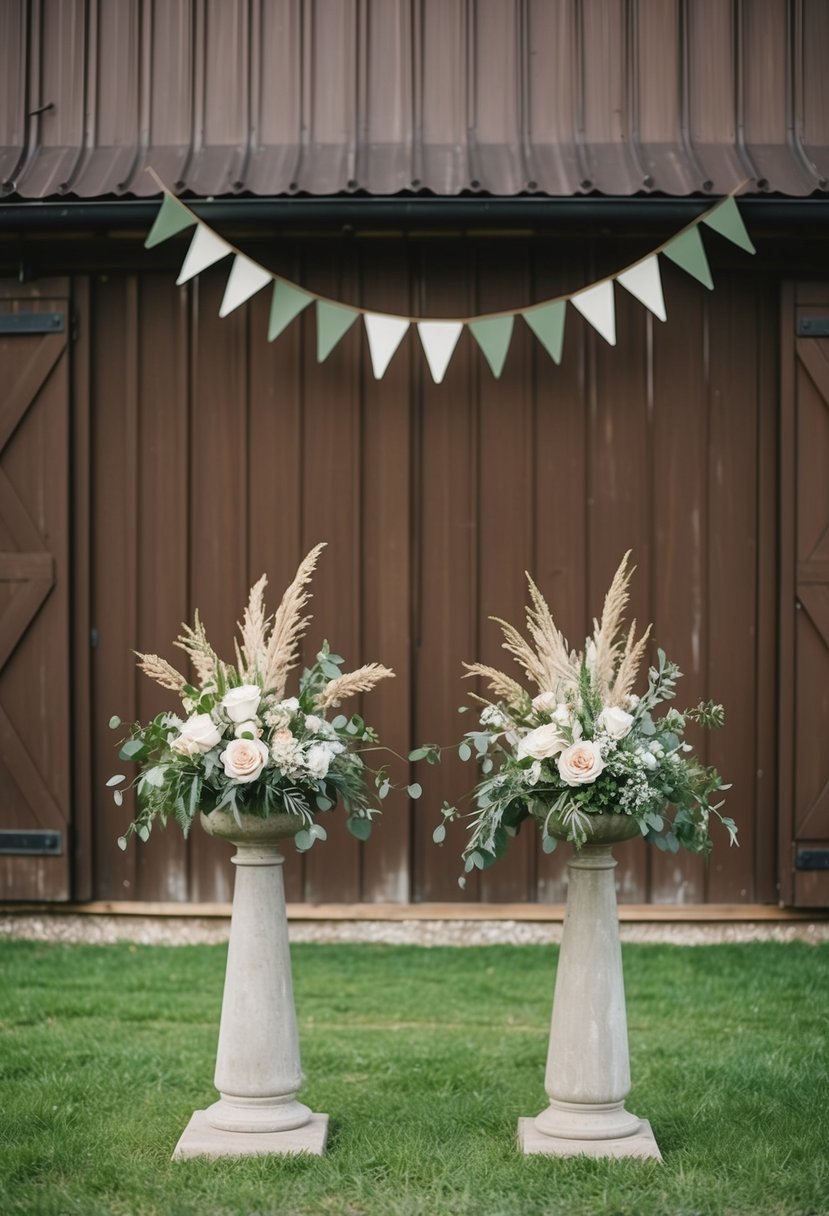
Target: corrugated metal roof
[(501, 96)]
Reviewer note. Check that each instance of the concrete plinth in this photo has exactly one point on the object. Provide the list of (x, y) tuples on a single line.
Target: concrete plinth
[(588, 1073), (642, 1144), (258, 1072), (199, 1139)]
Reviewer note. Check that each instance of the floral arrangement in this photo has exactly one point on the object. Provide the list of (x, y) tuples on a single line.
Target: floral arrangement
[(585, 743), (242, 744)]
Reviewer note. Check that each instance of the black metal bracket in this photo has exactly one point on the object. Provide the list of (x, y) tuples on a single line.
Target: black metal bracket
[(37, 843), (813, 327), (32, 322), (812, 859)]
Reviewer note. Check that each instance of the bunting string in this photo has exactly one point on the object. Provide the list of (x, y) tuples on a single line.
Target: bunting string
[(439, 337)]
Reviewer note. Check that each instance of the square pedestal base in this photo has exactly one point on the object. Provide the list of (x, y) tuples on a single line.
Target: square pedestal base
[(199, 1139), (531, 1140)]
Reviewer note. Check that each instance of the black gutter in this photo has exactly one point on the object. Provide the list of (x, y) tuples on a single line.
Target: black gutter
[(417, 213)]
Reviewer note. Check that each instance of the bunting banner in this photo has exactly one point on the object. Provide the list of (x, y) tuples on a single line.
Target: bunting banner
[(439, 337)]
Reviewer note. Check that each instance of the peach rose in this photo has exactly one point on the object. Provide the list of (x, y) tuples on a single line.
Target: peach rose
[(581, 763), (244, 759)]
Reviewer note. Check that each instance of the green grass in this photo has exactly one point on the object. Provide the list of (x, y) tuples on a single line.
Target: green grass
[(424, 1060)]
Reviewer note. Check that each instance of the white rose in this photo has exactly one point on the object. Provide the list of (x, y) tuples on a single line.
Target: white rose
[(540, 743), (291, 704), (240, 704), (545, 702), (317, 760), (244, 759), (615, 722), (199, 733), (250, 727), (581, 763), (313, 723), (561, 715), (185, 747)]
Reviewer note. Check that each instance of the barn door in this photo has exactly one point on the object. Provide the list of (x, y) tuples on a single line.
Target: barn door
[(34, 600), (806, 585)]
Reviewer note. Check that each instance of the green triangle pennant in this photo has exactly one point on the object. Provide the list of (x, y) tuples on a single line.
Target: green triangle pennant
[(493, 335), (547, 323), (333, 320), (287, 302), (687, 251), (172, 218), (726, 220)]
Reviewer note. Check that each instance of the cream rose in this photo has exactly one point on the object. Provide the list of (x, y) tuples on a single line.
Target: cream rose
[(545, 702), (244, 759), (198, 734), (185, 747), (240, 704), (581, 763), (247, 728), (540, 743), (615, 722)]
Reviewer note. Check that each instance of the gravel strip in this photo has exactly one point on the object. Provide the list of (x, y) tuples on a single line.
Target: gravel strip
[(188, 931)]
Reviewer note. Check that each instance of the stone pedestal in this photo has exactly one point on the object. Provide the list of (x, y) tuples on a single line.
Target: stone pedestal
[(258, 1071), (588, 1071)]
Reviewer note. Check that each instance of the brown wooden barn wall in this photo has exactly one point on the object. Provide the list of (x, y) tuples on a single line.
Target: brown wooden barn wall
[(215, 456)]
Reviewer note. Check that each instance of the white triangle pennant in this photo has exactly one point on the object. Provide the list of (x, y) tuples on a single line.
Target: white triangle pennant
[(245, 279), (205, 249), (384, 336), (645, 283), (596, 306), (439, 339)]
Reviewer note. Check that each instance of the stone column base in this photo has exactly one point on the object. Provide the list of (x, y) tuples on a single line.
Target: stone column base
[(199, 1139), (641, 1144)]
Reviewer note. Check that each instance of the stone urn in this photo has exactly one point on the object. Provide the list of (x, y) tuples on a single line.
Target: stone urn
[(258, 1070), (588, 1071)]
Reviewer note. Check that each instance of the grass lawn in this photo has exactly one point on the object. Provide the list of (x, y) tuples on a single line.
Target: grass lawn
[(424, 1060)]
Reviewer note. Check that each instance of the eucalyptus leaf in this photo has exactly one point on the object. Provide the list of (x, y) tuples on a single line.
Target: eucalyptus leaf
[(415, 789), (131, 749), (359, 827), (439, 834), (116, 780)]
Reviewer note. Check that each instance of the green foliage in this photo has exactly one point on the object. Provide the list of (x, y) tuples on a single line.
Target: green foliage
[(646, 770), (172, 784)]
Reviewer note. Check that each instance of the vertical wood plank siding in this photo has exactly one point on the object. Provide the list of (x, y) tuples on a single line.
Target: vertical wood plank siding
[(216, 455)]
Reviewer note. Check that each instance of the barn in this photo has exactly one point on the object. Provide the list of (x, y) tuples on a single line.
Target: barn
[(434, 159)]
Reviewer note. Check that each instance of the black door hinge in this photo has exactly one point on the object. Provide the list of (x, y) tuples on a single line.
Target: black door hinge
[(813, 327)]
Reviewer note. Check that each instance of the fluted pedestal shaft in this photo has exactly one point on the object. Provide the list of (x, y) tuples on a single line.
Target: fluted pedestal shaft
[(258, 1071), (257, 1063), (588, 1071), (588, 1068)]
